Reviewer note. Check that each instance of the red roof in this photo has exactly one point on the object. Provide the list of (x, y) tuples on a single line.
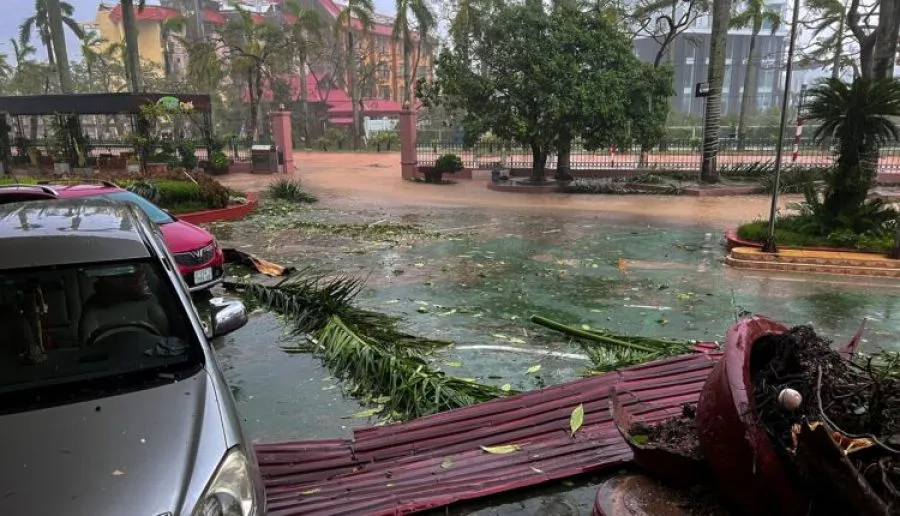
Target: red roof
[(341, 121), (398, 469), (377, 28), (148, 13), (214, 17), (370, 107)]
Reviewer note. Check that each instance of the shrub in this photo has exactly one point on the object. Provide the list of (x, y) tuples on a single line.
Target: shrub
[(794, 231), (794, 180), (219, 160), (187, 156), (385, 139), (146, 190), (289, 190), (449, 164)]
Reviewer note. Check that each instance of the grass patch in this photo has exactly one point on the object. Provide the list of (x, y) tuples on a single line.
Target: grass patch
[(792, 232), (289, 190)]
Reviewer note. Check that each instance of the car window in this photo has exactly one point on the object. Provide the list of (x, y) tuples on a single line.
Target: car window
[(112, 323), (152, 211)]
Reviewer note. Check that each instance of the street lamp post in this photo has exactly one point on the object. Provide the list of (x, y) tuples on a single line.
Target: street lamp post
[(769, 244)]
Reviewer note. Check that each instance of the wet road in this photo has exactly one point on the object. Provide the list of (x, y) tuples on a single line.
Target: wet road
[(479, 289)]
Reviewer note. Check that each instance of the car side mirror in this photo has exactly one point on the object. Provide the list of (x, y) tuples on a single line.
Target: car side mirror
[(227, 317)]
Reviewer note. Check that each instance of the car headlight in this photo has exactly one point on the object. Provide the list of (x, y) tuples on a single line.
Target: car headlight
[(230, 492)]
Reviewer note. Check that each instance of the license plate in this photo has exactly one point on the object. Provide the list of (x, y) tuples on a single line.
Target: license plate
[(203, 276)]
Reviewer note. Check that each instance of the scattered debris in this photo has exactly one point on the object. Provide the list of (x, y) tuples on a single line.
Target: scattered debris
[(678, 435)]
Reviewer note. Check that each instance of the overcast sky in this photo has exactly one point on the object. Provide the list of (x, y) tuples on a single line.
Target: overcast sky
[(85, 10)]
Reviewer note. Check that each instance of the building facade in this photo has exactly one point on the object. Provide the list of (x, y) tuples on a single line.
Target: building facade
[(689, 57)]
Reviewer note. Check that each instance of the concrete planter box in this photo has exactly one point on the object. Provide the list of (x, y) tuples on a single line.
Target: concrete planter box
[(60, 169)]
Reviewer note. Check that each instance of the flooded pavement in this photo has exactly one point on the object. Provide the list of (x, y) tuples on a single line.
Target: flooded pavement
[(475, 278)]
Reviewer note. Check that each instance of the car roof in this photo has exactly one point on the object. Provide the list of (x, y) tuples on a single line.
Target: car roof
[(70, 231), (67, 191)]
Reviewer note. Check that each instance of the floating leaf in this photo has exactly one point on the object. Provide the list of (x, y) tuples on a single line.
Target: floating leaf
[(447, 464), (310, 491), (506, 387), (500, 450), (577, 418), (422, 309), (533, 369), (516, 340), (445, 314), (453, 364), (585, 327)]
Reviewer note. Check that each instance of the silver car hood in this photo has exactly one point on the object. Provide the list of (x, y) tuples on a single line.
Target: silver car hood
[(147, 453)]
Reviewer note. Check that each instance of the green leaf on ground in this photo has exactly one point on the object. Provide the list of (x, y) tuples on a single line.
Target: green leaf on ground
[(533, 369), (501, 450), (365, 413), (447, 464), (577, 418), (310, 491), (506, 387)]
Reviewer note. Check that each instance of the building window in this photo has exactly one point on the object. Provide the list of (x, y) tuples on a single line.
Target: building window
[(385, 92)]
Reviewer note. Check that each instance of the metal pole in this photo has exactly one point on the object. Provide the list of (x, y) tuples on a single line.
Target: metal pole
[(769, 245), (798, 133)]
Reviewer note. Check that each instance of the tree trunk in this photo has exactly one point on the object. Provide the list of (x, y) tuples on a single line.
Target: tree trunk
[(406, 82), (538, 163), (748, 98), (885, 51), (354, 93), (564, 158), (132, 55), (716, 77), (59, 46), (254, 106), (304, 103), (838, 49)]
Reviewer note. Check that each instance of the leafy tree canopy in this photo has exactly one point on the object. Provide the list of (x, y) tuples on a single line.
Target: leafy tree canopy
[(543, 78)]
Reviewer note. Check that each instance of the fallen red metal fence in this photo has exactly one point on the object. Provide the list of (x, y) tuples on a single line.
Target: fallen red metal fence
[(437, 460)]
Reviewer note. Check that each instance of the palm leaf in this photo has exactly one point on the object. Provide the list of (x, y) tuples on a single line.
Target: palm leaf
[(397, 379)]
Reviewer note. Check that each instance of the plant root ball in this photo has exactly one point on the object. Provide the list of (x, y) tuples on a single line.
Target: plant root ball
[(789, 399)]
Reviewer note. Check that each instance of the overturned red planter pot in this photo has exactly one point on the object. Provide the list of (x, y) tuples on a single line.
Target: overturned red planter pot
[(739, 451)]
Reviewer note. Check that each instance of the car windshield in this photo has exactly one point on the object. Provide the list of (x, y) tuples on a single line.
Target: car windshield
[(115, 326), (153, 211)]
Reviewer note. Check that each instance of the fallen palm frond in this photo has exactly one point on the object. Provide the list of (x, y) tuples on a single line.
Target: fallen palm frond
[(380, 364), (610, 351), (397, 378), (308, 298)]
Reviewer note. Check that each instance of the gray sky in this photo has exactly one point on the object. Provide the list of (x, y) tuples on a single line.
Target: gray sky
[(18, 10)]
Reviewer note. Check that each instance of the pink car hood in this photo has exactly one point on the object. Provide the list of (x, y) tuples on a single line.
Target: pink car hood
[(183, 236)]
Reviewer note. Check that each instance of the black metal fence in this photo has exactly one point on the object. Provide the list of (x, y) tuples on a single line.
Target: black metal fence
[(237, 149), (670, 155)]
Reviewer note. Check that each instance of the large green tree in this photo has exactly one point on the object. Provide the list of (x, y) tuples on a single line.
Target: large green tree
[(355, 16), (755, 14), (547, 78)]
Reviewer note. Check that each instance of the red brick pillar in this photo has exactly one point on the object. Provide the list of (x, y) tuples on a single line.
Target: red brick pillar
[(281, 130), (408, 161)]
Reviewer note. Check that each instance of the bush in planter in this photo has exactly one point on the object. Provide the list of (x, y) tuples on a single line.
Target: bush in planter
[(187, 156), (219, 161), (445, 164)]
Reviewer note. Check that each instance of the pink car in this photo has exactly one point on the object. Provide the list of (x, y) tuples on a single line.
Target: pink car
[(197, 254)]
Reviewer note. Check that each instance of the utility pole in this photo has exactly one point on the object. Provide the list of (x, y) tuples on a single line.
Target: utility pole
[(769, 245)]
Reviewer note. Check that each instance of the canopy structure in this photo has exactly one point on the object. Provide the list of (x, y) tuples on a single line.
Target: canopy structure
[(72, 142), (95, 103)]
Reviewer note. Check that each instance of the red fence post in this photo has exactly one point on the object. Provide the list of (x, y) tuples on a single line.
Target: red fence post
[(281, 131), (408, 161)]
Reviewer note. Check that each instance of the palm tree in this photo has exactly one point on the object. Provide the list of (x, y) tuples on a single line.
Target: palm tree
[(721, 12), (89, 45), (832, 17), (755, 14), (424, 21), (466, 25), (40, 21), (168, 28), (860, 117), (362, 12), (306, 33)]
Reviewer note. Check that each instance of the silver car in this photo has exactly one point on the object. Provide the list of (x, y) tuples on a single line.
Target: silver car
[(111, 401)]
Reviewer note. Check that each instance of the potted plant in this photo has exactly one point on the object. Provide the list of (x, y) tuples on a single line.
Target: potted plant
[(445, 164), (218, 162)]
